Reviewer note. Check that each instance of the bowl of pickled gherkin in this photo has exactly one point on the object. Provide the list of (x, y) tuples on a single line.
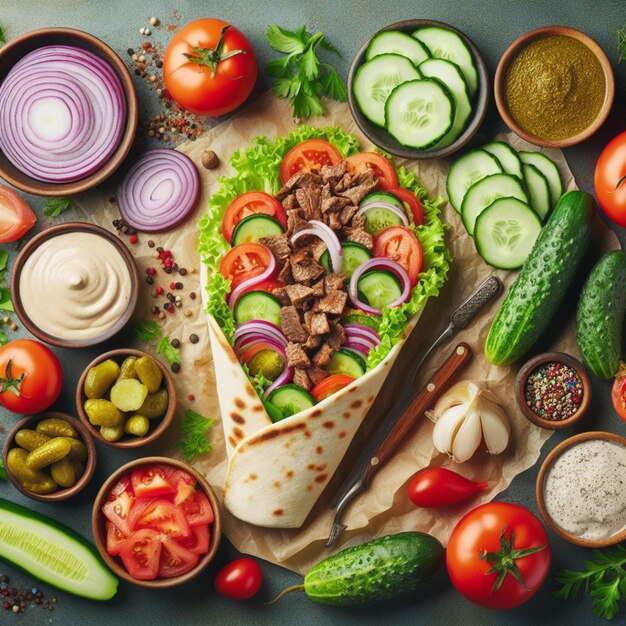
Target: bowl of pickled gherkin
[(50, 456), (126, 398)]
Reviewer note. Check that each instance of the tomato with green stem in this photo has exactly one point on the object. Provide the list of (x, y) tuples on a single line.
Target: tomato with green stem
[(610, 179)]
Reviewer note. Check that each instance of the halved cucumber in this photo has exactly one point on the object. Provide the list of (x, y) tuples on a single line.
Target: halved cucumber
[(290, 399), (376, 79), (507, 157), (418, 113), (379, 288), (252, 228), (446, 44), (483, 193), (505, 233), (382, 196), (549, 169), (354, 254), (257, 305), (451, 76), (538, 190), (348, 362), (469, 169), (396, 42)]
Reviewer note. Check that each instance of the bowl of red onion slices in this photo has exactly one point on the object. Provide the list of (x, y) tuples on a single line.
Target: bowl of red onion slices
[(68, 112)]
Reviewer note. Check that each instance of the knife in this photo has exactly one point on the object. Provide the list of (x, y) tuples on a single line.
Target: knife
[(406, 410)]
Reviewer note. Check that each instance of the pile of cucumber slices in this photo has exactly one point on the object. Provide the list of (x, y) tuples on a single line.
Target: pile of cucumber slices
[(418, 87), (503, 197)]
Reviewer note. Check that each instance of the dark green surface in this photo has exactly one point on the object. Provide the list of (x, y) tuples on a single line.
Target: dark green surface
[(492, 25)]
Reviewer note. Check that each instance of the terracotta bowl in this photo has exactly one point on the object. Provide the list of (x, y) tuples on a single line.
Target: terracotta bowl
[(18, 48), (99, 529), (547, 464), (529, 367), (162, 423), (60, 229), (513, 50), (381, 138), (90, 463)]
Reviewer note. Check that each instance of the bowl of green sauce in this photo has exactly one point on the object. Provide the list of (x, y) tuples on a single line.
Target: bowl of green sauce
[(554, 86)]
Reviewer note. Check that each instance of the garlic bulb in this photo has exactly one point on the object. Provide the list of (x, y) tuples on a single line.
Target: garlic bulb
[(466, 414)]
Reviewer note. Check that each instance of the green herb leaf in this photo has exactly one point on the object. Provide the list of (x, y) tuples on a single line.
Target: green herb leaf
[(3, 338), (310, 65), (2, 36), (53, 207), (281, 87), (278, 68), (5, 299), (148, 331), (3, 474), (169, 352), (621, 44), (4, 260), (334, 87), (194, 430), (285, 41)]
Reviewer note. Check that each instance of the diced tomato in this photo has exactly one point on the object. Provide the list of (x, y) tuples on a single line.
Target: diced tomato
[(120, 487), (175, 559), (618, 394), (248, 204), (375, 164), (197, 509), (118, 511), (150, 481), (330, 385), (115, 538), (402, 246), (140, 554), (185, 485), (410, 200), (245, 261), (198, 541), (309, 155), (160, 515)]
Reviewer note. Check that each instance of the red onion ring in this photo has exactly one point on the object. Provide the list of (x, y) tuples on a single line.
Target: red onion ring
[(283, 378), (255, 280), (270, 345), (384, 205), (261, 329), (360, 330), (159, 191), (327, 235), (356, 346), (384, 264)]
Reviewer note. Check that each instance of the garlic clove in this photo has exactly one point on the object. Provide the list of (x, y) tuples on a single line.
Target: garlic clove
[(495, 426), (467, 438), (446, 428), (461, 393)]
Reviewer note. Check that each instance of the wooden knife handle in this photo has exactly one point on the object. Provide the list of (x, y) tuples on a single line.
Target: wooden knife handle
[(439, 382)]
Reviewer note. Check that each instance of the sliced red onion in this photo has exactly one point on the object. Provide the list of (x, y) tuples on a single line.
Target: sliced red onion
[(327, 235), (360, 330), (378, 263), (366, 341), (269, 345), (62, 113), (385, 205), (284, 377), (255, 280), (159, 191), (356, 346), (260, 329)]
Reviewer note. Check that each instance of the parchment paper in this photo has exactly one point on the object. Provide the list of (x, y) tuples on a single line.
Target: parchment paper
[(384, 508)]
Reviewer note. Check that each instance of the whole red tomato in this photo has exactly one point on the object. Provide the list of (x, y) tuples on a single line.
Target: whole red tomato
[(239, 580), (209, 67), (498, 555), (610, 179), (30, 376), (618, 393)]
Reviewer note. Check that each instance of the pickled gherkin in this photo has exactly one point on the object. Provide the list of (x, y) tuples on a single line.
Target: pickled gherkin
[(55, 450), (128, 395), (149, 373), (56, 427), (137, 425), (112, 433), (155, 404), (103, 413), (30, 439), (63, 473), (127, 370), (100, 377)]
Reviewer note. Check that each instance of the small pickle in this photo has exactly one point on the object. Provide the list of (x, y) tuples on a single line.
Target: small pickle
[(155, 404), (47, 485), (128, 369), (56, 427), (49, 453), (16, 462), (77, 466), (137, 425), (30, 439), (100, 377), (112, 433), (63, 473), (103, 413), (78, 450), (128, 395), (149, 373)]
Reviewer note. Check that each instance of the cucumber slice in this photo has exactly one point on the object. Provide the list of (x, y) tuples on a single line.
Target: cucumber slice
[(418, 113), (290, 399), (549, 169), (538, 190), (53, 553), (507, 157), (483, 193), (382, 196), (450, 75), (506, 232), (360, 318), (395, 42), (469, 169), (378, 288), (376, 79), (257, 305), (348, 362), (377, 218), (252, 228), (354, 254), (446, 44)]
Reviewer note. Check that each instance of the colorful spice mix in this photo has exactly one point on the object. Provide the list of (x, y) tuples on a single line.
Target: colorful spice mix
[(554, 391)]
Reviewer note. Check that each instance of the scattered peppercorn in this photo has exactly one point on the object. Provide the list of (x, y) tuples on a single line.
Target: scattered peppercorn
[(160, 291), (191, 397), (150, 243), (554, 391), (19, 600), (194, 338), (154, 21), (133, 239), (182, 271), (175, 343), (149, 280), (175, 368), (192, 295), (188, 313), (179, 285), (209, 159), (172, 285), (154, 309)]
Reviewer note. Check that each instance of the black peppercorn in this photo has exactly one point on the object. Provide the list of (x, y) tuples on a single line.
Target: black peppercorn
[(194, 338), (175, 343), (175, 368)]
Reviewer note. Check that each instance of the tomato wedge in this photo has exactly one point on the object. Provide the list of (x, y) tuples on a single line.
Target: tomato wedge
[(184, 483), (140, 554), (265, 285), (16, 217), (248, 204), (197, 509), (245, 261), (118, 511), (618, 395), (410, 200), (331, 385), (402, 246), (175, 559), (198, 541), (115, 538), (309, 155), (160, 515), (151, 482), (376, 164)]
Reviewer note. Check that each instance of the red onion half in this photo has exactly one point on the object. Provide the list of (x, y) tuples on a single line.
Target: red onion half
[(379, 264), (62, 114), (327, 235)]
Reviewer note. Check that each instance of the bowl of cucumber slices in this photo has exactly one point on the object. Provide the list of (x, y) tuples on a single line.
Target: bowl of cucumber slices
[(418, 89)]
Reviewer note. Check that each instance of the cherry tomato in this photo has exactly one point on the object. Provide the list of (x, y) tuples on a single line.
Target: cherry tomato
[(610, 179), (115, 538), (150, 481), (16, 217), (160, 515), (309, 155), (209, 67), (248, 204), (410, 200), (117, 510), (330, 385), (197, 509), (140, 554), (506, 539), (376, 164), (437, 486), (239, 580), (30, 376), (402, 246), (245, 261), (198, 541), (175, 559), (618, 395)]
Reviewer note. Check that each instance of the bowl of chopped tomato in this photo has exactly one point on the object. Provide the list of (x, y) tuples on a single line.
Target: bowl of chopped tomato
[(156, 522)]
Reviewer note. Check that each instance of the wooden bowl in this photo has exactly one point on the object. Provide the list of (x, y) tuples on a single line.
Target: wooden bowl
[(381, 138), (12, 52), (90, 463), (513, 50), (99, 529), (162, 423), (529, 367), (539, 488), (61, 229)]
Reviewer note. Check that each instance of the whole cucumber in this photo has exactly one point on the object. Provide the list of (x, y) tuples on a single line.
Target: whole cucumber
[(600, 315), (543, 280)]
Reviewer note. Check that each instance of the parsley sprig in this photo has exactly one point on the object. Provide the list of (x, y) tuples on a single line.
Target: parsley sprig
[(300, 75), (148, 331), (621, 44), (53, 207), (3, 38), (5, 292), (194, 430)]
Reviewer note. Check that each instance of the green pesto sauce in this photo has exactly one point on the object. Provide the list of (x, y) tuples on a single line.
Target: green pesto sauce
[(554, 88)]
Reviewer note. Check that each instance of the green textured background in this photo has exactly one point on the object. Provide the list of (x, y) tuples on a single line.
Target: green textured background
[(493, 25)]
